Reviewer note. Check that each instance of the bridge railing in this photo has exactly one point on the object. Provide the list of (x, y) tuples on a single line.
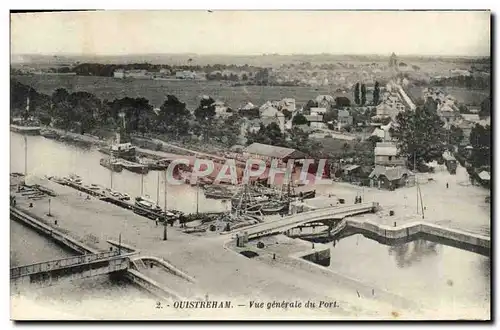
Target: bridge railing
[(306, 216), (61, 263)]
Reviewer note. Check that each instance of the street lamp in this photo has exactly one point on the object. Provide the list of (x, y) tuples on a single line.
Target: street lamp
[(49, 210)]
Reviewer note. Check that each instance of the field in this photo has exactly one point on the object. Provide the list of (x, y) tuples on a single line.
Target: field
[(187, 91), (462, 95)]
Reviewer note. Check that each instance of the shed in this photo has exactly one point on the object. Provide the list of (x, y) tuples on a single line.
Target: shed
[(270, 152)]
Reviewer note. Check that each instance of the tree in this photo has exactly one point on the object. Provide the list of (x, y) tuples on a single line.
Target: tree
[(299, 119), (485, 108), (480, 139), (456, 135), (342, 102), (206, 109), (363, 94), (376, 93), (173, 117), (331, 115), (288, 114), (270, 134), (138, 114), (310, 104), (356, 94), (374, 139), (420, 135)]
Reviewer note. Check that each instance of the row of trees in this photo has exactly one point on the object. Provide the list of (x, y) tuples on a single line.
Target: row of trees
[(107, 70), (84, 112), (362, 100)]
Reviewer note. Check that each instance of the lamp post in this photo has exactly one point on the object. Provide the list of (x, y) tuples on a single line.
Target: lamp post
[(49, 210)]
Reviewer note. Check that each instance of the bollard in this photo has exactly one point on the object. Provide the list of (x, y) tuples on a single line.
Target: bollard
[(394, 223), (274, 256)]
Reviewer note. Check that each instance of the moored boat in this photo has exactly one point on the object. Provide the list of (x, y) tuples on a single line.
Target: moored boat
[(134, 167), (111, 164), (274, 207)]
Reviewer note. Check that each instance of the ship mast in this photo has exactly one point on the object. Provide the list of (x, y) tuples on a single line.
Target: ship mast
[(158, 189), (165, 193)]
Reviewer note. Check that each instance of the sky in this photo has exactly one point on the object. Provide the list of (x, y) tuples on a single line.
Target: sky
[(459, 33)]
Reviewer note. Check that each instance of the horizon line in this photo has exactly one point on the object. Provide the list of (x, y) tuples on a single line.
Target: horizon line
[(250, 54)]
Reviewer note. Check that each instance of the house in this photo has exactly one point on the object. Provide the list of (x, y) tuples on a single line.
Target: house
[(120, 74), (318, 111), (351, 172), (222, 110), (324, 101), (474, 109), (268, 152), (466, 128), (138, 74), (473, 118), (447, 114), (272, 115), (344, 118), (391, 177), (249, 110), (386, 154), (287, 104), (315, 121), (185, 75)]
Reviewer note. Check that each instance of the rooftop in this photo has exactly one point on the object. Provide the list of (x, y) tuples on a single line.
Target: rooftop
[(391, 173), (270, 151)]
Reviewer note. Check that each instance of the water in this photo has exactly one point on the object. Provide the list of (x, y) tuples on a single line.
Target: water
[(439, 276), (28, 247), (53, 158), (91, 297)]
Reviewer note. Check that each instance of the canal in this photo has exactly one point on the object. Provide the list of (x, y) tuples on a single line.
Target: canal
[(53, 158), (441, 277)]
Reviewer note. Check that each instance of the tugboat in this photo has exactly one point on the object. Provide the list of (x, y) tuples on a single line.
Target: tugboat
[(111, 164)]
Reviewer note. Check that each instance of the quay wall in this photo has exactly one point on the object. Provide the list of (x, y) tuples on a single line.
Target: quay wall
[(320, 257), (150, 285), (53, 234), (415, 228), (148, 260)]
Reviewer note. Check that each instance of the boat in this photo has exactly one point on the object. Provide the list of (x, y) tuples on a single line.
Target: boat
[(111, 164), (148, 204), (217, 192), (274, 207), (134, 167), (49, 134), (155, 165), (73, 178), (125, 197), (26, 127)]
